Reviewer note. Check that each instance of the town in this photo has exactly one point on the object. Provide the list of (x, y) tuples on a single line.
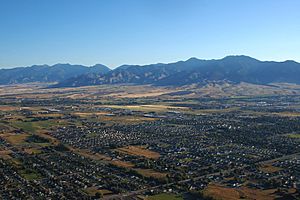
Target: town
[(129, 146)]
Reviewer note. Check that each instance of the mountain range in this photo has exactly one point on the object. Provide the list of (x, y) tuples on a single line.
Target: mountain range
[(46, 73), (233, 69)]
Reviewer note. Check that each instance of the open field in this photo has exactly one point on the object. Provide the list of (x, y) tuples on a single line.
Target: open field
[(15, 139), (139, 151), (269, 168), (218, 192), (35, 126), (149, 108), (151, 173), (120, 163), (294, 135)]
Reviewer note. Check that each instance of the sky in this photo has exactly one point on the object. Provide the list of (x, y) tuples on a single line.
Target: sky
[(116, 32)]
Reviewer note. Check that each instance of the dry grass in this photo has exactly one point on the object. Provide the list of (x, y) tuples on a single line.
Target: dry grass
[(32, 150), (124, 164), (14, 139), (90, 155), (269, 168), (149, 108), (139, 151), (88, 114), (126, 119), (219, 192), (9, 108), (5, 154), (288, 114)]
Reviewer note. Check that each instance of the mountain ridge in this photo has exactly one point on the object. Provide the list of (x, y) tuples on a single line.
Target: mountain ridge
[(233, 68), (230, 68), (47, 73)]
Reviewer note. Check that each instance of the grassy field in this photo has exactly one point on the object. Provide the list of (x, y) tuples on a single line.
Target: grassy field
[(151, 173), (33, 127), (294, 135), (29, 174)]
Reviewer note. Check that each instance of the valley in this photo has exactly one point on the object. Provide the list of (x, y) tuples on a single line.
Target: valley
[(213, 141)]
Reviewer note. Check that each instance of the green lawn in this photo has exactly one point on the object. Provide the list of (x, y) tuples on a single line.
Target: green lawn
[(293, 135), (30, 174), (32, 127)]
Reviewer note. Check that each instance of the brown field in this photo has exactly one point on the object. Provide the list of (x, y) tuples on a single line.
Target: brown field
[(269, 168), (152, 93), (151, 173), (9, 108), (288, 114), (88, 114), (100, 157), (90, 155), (219, 192), (149, 108), (125, 119), (139, 151), (120, 163), (5, 154), (32, 150), (13, 138)]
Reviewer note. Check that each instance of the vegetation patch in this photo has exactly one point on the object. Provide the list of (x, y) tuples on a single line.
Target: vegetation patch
[(15, 139), (294, 135), (98, 192), (37, 139), (151, 173), (30, 174)]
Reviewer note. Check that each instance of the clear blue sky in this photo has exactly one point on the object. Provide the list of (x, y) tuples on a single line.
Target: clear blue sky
[(115, 32)]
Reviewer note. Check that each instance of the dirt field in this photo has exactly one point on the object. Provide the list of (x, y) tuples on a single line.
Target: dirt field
[(269, 168), (120, 163), (139, 151), (219, 192)]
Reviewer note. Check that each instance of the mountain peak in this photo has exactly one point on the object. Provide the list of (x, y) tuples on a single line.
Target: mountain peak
[(238, 57)]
